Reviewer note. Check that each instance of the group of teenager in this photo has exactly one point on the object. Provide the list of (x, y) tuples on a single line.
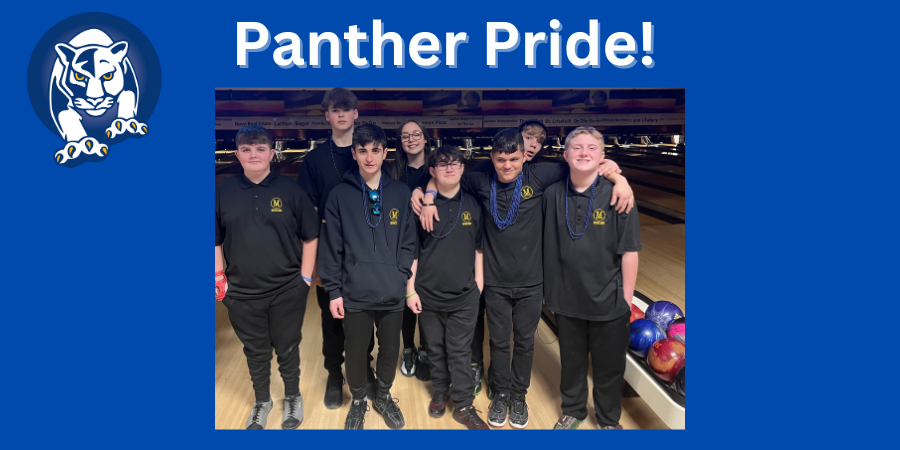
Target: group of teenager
[(426, 241)]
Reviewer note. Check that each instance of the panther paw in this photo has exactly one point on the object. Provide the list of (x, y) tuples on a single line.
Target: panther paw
[(122, 126), (86, 146)]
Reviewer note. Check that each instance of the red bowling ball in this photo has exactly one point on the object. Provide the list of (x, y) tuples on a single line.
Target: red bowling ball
[(636, 313), (666, 358)]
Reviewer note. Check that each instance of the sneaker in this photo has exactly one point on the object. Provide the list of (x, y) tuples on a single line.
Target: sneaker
[(334, 391), (567, 422), (468, 416), (387, 407), (293, 412), (408, 362), (423, 368), (356, 417), (477, 372), (610, 427), (259, 415), (371, 384), (438, 404), (498, 410), (518, 412)]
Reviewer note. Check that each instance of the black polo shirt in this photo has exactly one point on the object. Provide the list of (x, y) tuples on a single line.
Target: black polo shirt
[(512, 257), (323, 169), (261, 228), (445, 278), (583, 278)]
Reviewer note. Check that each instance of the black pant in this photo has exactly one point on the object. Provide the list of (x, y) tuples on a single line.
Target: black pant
[(449, 337), (333, 336), (358, 330), (478, 340), (606, 343), (409, 330), (270, 322), (517, 310)]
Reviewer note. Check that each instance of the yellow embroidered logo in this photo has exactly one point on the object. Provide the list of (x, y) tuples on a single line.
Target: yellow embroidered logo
[(394, 215), (276, 204), (599, 217), (527, 192), (466, 218)]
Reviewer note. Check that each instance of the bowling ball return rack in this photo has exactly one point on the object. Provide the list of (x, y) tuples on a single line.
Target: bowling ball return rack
[(662, 398)]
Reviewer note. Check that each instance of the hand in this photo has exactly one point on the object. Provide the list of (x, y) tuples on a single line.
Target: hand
[(608, 166), (414, 304), (429, 214), (337, 308), (622, 194), (221, 288), (416, 201), (315, 276), (428, 217)]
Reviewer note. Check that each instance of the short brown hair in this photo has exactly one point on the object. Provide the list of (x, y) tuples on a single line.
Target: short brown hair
[(535, 129), (253, 134), (339, 98)]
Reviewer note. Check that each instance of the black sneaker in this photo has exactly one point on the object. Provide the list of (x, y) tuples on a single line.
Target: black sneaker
[(438, 405), (468, 416), (356, 417), (408, 362), (518, 411), (334, 391), (477, 372), (387, 407), (259, 415), (371, 384), (423, 368), (498, 410)]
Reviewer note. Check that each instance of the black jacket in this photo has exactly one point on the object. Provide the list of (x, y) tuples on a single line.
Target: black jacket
[(368, 267)]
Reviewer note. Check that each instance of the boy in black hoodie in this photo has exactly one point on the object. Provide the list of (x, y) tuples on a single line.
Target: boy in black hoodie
[(368, 245)]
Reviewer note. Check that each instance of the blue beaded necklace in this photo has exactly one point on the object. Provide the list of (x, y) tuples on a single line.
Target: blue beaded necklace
[(512, 214), (362, 184), (587, 216), (458, 215)]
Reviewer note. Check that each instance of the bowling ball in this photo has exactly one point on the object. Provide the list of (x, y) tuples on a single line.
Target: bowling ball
[(644, 332), (666, 358), (679, 381), (663, 313), (676, 330), (636, 313)]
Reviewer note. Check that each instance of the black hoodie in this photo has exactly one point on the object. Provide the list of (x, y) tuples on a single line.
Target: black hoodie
[(368, 267)]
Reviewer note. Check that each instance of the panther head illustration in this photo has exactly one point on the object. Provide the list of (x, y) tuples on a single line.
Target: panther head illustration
[(94, 74)]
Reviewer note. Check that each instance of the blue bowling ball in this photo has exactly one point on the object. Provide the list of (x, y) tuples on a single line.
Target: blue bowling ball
[(663, 313), (644, 333)]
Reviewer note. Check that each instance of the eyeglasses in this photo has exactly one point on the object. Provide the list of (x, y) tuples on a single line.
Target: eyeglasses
[(376, 202), (405, 137), (444, 166)]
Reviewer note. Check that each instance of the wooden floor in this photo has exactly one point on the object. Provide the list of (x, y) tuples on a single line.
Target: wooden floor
[(660, 277)]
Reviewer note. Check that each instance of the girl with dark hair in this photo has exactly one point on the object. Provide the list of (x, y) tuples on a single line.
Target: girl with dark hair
[(410, 164)]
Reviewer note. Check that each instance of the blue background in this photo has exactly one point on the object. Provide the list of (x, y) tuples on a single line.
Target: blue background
[(107, 320)]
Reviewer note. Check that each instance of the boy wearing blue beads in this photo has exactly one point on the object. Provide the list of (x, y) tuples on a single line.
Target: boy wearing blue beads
[(513, 273), (590, 269), (368, 245)]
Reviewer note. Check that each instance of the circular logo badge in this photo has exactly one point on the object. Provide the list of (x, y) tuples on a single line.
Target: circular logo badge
[(527, 192), (94, 80)]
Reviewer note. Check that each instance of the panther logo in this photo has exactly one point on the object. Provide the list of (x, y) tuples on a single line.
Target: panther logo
[(91, 92)]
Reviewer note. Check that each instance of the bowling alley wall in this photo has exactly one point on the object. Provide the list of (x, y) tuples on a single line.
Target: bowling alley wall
[(297, 114)]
